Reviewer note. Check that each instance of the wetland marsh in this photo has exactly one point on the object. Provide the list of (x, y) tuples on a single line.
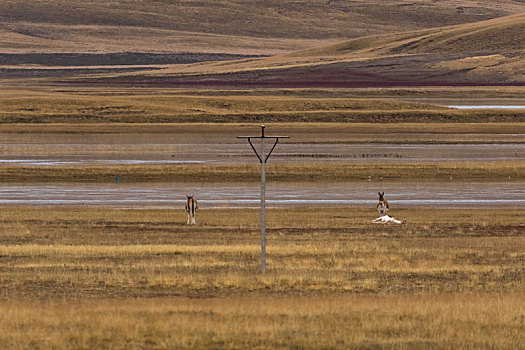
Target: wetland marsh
[(111, 112), (87, 262)]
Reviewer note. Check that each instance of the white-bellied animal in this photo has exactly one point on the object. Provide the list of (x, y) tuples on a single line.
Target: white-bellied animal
[(387, 219), (382, 206), (191, 209)]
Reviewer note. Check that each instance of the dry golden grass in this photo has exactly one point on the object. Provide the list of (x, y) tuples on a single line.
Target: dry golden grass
[(475, 321), (23, 106), (79, 253), (338, 171), (489, 64), (20, 88), (71, 108), (72, 105), (326, 132), (98, 278), (496, 35)]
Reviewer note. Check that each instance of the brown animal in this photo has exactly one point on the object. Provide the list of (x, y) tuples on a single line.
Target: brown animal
[(191, 208), (382, 206)]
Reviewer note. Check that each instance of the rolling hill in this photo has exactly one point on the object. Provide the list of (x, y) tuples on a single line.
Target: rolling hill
[(489, 52), (259, 27), (324, 43)]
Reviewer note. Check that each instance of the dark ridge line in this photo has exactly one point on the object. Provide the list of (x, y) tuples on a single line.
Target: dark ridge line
[(289, 84), (118, 58)]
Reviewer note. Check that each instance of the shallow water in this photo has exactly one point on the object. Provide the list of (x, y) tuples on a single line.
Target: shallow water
[(225, 195), (57, 162), (487, 107), (228, 153), (513, 101), (221, 147)]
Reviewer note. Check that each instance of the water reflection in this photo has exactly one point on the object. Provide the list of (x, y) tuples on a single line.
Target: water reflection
[(487, 107), (247, 195), (286, 153)]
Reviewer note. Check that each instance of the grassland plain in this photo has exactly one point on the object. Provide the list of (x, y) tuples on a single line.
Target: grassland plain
[(340, 171), (97, 278), (44, 107), (301, 132), (82, 277)]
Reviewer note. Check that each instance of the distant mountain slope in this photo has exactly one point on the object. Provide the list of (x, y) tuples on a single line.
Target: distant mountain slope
[(499, 35), (487, 52), (233, 26)]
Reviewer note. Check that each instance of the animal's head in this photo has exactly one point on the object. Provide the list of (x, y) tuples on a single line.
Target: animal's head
[(190, 197), (381, 194)]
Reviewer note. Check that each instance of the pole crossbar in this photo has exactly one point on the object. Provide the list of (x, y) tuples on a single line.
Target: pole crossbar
[(262, 137), (263, 159), (266, 137)]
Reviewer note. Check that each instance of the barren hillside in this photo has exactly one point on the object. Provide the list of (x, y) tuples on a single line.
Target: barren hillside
[(482, 53), (219, 26)]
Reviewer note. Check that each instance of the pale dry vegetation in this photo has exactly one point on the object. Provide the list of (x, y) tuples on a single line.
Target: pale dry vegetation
[(299, 132), (460, 48), (73, 105), (466, 321), (497, 35), (104, 278), (81, 252), (72, 108), (98, 278), (220, 26), (20, 106), (317, 171), (449, 55)]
